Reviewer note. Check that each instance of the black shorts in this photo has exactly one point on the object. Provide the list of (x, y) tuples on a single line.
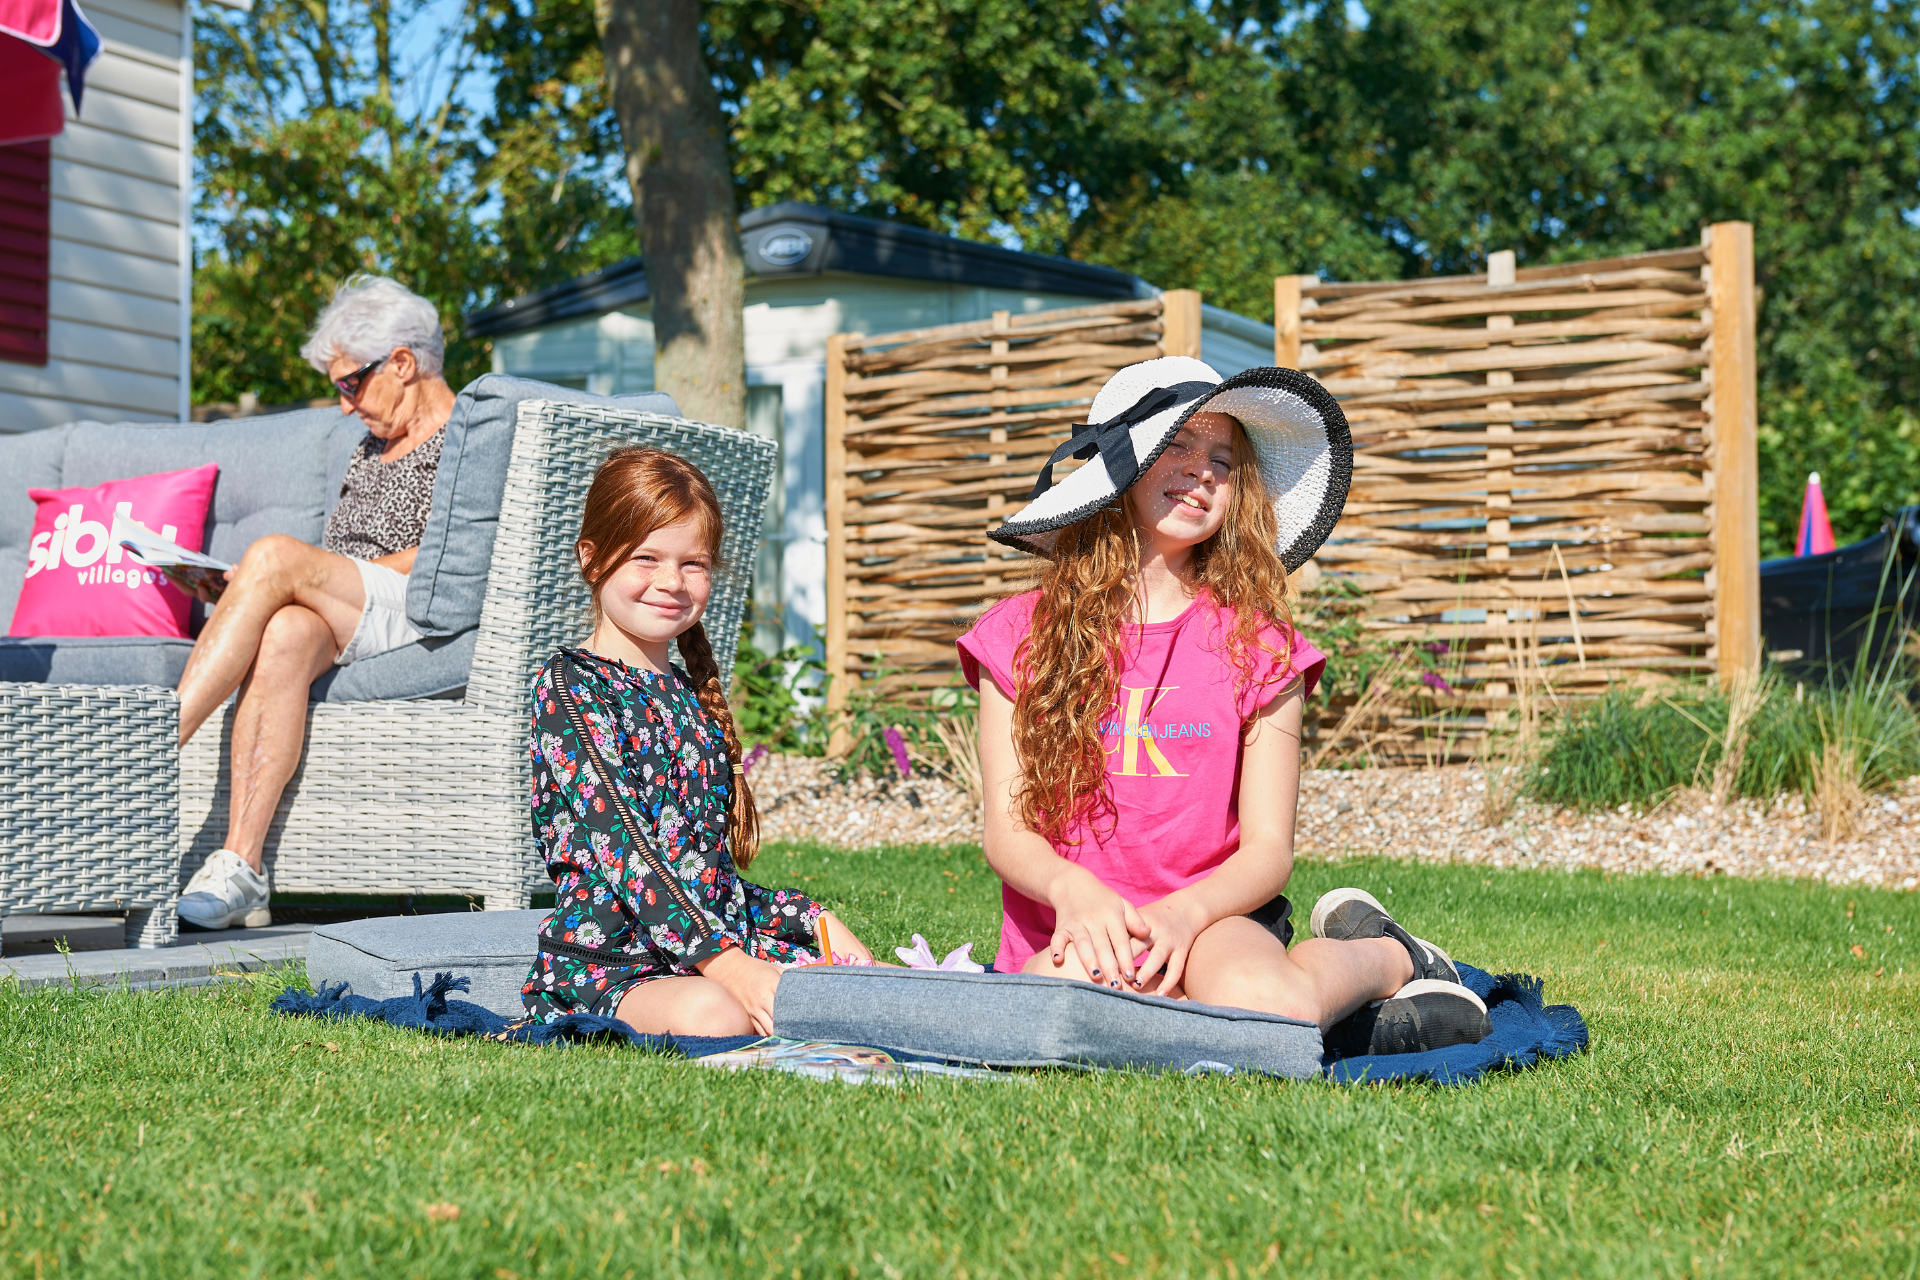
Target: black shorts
[(1276, 918)]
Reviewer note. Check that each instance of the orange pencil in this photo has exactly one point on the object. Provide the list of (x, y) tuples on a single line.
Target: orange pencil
[(826, 947)]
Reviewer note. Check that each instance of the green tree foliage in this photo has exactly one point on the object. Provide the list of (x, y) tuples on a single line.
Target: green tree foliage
[(1440, 130), (1215, 146), (971, 116), (322, 151), (1208, 145)]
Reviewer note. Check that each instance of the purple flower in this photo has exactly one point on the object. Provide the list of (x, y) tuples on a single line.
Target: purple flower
[(1436, 646), (754, 757), (899, 745), (1434, 680)]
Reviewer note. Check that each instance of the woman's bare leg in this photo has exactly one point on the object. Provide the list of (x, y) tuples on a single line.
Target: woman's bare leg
[(1237, 963), (269, 725), (275, 572), (684, 1006)]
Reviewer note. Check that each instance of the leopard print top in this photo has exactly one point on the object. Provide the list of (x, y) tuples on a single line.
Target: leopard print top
[(383, 505)]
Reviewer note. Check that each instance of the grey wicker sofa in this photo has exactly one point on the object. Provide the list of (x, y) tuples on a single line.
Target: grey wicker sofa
[(414, 775)]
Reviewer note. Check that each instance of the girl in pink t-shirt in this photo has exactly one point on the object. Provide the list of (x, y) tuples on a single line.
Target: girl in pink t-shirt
[(1140, 717)]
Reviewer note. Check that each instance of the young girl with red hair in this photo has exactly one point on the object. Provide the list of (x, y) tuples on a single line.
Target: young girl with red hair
[(640, 801), (1140, 717)]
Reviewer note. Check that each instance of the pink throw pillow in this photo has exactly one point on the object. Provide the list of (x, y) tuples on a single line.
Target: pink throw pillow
[(80, 582)]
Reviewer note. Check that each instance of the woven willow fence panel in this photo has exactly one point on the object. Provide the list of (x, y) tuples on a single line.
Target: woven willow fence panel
[(1553, 473), (933, 437)]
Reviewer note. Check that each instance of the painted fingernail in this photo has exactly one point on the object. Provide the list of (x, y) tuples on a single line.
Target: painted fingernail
[(1114, 983), (1096, 973)]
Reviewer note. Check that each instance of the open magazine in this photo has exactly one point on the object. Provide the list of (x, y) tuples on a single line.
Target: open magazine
[(848, 1063), (194, 573)]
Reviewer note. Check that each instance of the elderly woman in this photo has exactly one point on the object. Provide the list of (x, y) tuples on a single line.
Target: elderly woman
[(291, 610)]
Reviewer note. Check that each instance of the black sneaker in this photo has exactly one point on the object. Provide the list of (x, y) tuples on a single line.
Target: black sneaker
[(1425, 1014), (1347, 914)]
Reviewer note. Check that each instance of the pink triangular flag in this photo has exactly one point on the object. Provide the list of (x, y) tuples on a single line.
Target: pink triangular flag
[(1816, 532)]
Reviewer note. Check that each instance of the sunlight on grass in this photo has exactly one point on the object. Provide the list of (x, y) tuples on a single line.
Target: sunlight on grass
[(1749, 1106)]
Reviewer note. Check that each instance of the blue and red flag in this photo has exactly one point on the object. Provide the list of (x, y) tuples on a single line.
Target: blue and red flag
[(57, 29), (1816, 531)]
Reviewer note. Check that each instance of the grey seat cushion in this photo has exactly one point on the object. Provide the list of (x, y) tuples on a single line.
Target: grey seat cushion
[(429, 668), (1025, 1020), (449, 578), (379, 957), (272, 470), (995, 1019), (434, 667), (29, 460), (93, 659)]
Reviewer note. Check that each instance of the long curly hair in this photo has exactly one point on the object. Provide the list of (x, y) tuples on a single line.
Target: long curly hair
[(635, 492), (1068, 668)]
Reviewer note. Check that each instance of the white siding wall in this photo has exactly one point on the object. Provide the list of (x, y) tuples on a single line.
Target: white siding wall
[(117, 295), (788, 323)]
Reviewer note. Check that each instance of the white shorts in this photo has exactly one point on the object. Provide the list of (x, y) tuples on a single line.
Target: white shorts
[(383, 618)]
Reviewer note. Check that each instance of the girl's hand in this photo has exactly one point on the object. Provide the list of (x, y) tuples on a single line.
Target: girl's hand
[(752, 982), (843, 941), (1099, 924), (1174, 922)]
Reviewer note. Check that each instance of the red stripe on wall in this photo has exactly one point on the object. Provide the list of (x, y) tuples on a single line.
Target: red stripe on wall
[(23, 252)]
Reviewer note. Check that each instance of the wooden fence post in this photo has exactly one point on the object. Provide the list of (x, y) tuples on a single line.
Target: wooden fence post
[(1735, 455), (1180, 322), (1286, 318), (1501, 273), (836, 496)]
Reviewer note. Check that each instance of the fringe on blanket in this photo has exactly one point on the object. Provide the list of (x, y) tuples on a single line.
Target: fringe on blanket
[(1525, 1030), (429, 1009)]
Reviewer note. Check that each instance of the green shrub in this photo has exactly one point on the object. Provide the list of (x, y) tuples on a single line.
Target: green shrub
[(771, 695), (1634, 747), (1622, 749)]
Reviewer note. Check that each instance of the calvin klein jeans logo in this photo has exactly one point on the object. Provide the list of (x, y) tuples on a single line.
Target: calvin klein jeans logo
[(1137, 735)]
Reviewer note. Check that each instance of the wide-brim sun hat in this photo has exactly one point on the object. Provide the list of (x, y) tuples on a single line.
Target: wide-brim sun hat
[(1300, 440)]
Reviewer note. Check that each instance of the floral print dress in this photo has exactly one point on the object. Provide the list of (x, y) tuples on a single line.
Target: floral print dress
[(638, 854)]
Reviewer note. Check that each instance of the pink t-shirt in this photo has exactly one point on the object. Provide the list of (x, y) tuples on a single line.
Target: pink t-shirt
[(1173, 740)]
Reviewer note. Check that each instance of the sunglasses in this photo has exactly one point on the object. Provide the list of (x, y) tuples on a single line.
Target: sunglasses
[(350, 384)]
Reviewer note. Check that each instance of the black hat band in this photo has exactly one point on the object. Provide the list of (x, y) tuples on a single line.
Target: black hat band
[(1113, 439)]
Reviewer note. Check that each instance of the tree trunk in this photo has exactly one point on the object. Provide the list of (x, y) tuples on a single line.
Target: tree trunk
[(682, 180)]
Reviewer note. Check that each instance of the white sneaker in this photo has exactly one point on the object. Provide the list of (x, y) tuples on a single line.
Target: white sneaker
[(226, 893)]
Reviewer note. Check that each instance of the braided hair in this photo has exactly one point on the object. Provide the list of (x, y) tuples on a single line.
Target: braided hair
[(635, 492)]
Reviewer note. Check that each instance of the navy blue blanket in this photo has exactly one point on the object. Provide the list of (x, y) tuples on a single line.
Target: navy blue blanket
[(1524, 1030)]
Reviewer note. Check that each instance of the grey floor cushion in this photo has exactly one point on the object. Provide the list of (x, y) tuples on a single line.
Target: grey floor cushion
[(995, 1019), (379, 957), (1024, 1020)]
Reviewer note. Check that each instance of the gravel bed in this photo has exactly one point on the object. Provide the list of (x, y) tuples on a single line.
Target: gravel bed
[(799, 800), (1434, 814)]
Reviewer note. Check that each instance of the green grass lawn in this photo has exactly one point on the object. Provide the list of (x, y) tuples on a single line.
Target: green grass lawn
[(1749, 1107)]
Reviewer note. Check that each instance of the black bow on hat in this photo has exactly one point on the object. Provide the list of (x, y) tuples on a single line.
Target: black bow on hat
[(1113, 439)]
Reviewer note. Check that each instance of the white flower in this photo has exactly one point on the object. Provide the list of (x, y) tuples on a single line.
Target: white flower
[(920, 956)]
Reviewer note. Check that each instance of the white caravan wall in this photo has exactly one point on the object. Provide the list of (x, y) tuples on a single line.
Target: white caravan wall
[(119, 261)]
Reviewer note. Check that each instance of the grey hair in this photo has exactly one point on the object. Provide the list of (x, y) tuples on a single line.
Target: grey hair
[(368, 318)]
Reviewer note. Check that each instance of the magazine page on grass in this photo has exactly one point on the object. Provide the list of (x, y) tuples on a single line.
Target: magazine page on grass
[(191, 571), (852, 1063)]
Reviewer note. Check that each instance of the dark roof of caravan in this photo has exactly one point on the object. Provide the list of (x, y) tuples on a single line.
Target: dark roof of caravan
[(792, 239)]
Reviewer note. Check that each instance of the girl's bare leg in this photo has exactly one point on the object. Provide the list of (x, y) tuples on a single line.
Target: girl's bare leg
[(275, 572), (684, 1006), (1237, 963)]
